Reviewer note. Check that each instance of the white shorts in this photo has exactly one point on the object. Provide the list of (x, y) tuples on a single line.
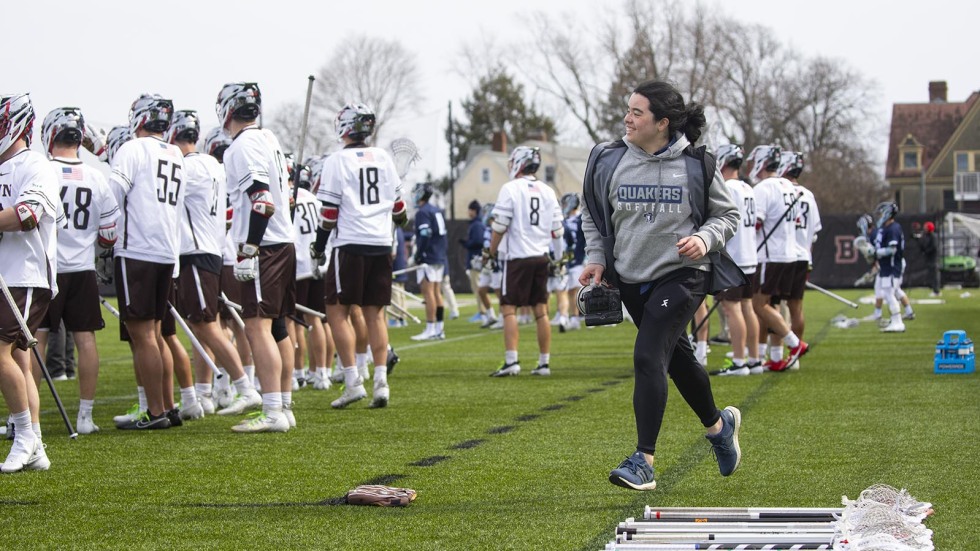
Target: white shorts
[(575, 272), (491, 280), (430, 272), (886, 285), (559, 283)]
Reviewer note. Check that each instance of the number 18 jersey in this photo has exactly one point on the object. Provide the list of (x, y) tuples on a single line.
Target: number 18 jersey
[(147, 178), (364, 183)]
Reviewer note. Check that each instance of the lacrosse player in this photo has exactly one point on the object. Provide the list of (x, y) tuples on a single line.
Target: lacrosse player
[(92, 213), (527, 218), (574, 253), (360, 192), (807, 225), (490, 274), (474, 249), (776, 203), (889, 244), (255, 168), (743, 326), (30, 212), (430, 249)]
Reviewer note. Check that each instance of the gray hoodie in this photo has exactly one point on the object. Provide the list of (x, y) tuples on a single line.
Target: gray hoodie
[(652, 212)]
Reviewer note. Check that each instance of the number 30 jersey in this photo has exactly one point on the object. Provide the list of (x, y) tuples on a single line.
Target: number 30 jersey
[(88, 205), (364, 183), (147, 178)]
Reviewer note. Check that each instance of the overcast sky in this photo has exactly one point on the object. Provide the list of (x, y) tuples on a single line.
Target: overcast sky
[(100, 56)]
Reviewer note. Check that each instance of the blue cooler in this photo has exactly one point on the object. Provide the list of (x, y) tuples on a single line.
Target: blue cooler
[(954, 354)]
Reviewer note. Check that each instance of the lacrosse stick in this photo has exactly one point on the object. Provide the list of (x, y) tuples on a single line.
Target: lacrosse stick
[(416, 298), (405, 154), (297, 168), (304, 310), (781, 220), (112, 310), (831, 295), (194, 342), (409, 269), (233, 309), (398, 312), (32, 344), (773, 514)]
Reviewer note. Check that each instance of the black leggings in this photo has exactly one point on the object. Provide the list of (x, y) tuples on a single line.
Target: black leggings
[(661, 315)]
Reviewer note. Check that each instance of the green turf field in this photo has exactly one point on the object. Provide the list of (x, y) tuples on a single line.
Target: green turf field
[(516, 463)]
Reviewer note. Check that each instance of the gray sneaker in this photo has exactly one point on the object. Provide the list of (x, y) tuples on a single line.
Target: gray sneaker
[(634, 473), (725, 443)]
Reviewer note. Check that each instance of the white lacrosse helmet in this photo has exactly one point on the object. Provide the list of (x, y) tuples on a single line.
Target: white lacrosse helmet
[(524, 160), (152, 113), (422, 191), (186, 126), (16, 119), (355, 121), (730, 154), (216, 142), (238, 99), (114, 140), (316, 169), (885, 211), (66, 122), (569, 202), (764, 157), (791, 163)]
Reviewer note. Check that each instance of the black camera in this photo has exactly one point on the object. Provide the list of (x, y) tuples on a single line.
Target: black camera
[(600, 305)]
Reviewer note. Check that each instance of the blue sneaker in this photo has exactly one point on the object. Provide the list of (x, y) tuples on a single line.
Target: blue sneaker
[(634, 473), (725, 443), (477, 318)]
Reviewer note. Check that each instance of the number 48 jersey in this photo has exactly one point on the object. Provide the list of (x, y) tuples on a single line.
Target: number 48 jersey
[(147, 175), (89, 205), (364, 183)]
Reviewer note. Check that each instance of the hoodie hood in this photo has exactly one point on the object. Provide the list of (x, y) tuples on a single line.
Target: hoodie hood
[(673, 150)]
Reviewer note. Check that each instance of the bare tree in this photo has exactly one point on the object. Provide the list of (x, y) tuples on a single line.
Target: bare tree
[(286, 122)]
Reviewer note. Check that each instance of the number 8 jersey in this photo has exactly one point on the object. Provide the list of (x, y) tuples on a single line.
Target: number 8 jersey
[(146, 180), (364, 184)]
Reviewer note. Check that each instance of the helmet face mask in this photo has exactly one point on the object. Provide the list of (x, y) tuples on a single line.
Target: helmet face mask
[(569, 202), (16, 120), (64, 124), (186, 127), (524, 160), (151, 113), (238, 100), (422, 192), (354, 121)]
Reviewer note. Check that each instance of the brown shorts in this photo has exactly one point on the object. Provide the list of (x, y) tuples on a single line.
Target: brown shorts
[(525, 281), (232, 290), (37, 299), (801, 269), (143, 288), (273, 294), (310, 293), (736, 294), (775, 278), (364, 280), (77, 303), (168, 326), (197, 294)]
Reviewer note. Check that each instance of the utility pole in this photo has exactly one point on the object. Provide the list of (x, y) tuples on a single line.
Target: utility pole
[(452, 165)]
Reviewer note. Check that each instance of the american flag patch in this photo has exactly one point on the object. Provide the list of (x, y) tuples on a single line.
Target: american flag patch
[(365, 156), (71, 173)]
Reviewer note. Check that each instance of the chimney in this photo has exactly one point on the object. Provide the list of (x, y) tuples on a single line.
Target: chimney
[(499, 141), (937, 91)]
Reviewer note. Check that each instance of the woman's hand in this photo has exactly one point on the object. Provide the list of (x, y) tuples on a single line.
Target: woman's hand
[(692, 247)]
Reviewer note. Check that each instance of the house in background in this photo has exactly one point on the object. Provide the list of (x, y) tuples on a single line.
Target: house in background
[(934, 153), (562, 167)]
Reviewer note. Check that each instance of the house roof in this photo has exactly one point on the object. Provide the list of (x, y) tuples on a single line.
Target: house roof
[(929, 124)]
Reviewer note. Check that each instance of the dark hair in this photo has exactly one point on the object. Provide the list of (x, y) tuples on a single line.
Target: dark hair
[(666, 101)]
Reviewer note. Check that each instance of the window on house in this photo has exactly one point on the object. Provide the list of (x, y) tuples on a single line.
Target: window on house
[(485, 175), (549, 174), (910, 160), (962, 161)]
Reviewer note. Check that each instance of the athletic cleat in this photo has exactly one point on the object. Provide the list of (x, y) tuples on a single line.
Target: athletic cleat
[(440, 336), (894, 327), (128, 417), (363, 372), (242, 403), (542, 370), (634, 473), (261, 422), (60, 377), (392, 360), (719, 339), (295, 384), (507, 369), (223, 396), (731, 371), (776, 366), (196, 411), (423, 336), (337, 377), (725, 443), (39, 459), (9, 432), (454, 315), (488, 323), (908, 316), (755, 368), (350, 395), (21, 452), (310, 377), (174, 416), (287, 411), (476, 318), (797, 352), (380, 396), (321, 383), (147, 422), (85, 425), (871, 317), (207, 404), (497, 324)]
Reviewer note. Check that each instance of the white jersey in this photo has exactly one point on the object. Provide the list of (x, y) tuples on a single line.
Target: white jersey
[(256, 156), (229, 251), (305, 223), (202, 221), (88, 205), (364, 183), (532, 212), (28, 258), (148, 183), (807, 224), (742, 245), (773, 197)]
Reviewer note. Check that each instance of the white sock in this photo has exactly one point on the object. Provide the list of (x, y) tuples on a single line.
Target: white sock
[(223, 380), (544, 359), (739, 362), (36, 429), (775, 353), (243, 384), (250, 372), (877, 313), (287, 398), (187, 397), (440, 326), (791, 340), (22, 422), (510, 356), (753, 360), (361, 360), (701, 349), (350, 376), (299, 374), (272, 403), (490, 313), (203, 389), (908, 308), (85, 407), (380, 375), (141, 392), (763, 350), (430, 327)]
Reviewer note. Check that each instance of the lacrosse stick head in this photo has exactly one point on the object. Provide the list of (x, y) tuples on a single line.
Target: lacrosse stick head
[(405, 154)]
